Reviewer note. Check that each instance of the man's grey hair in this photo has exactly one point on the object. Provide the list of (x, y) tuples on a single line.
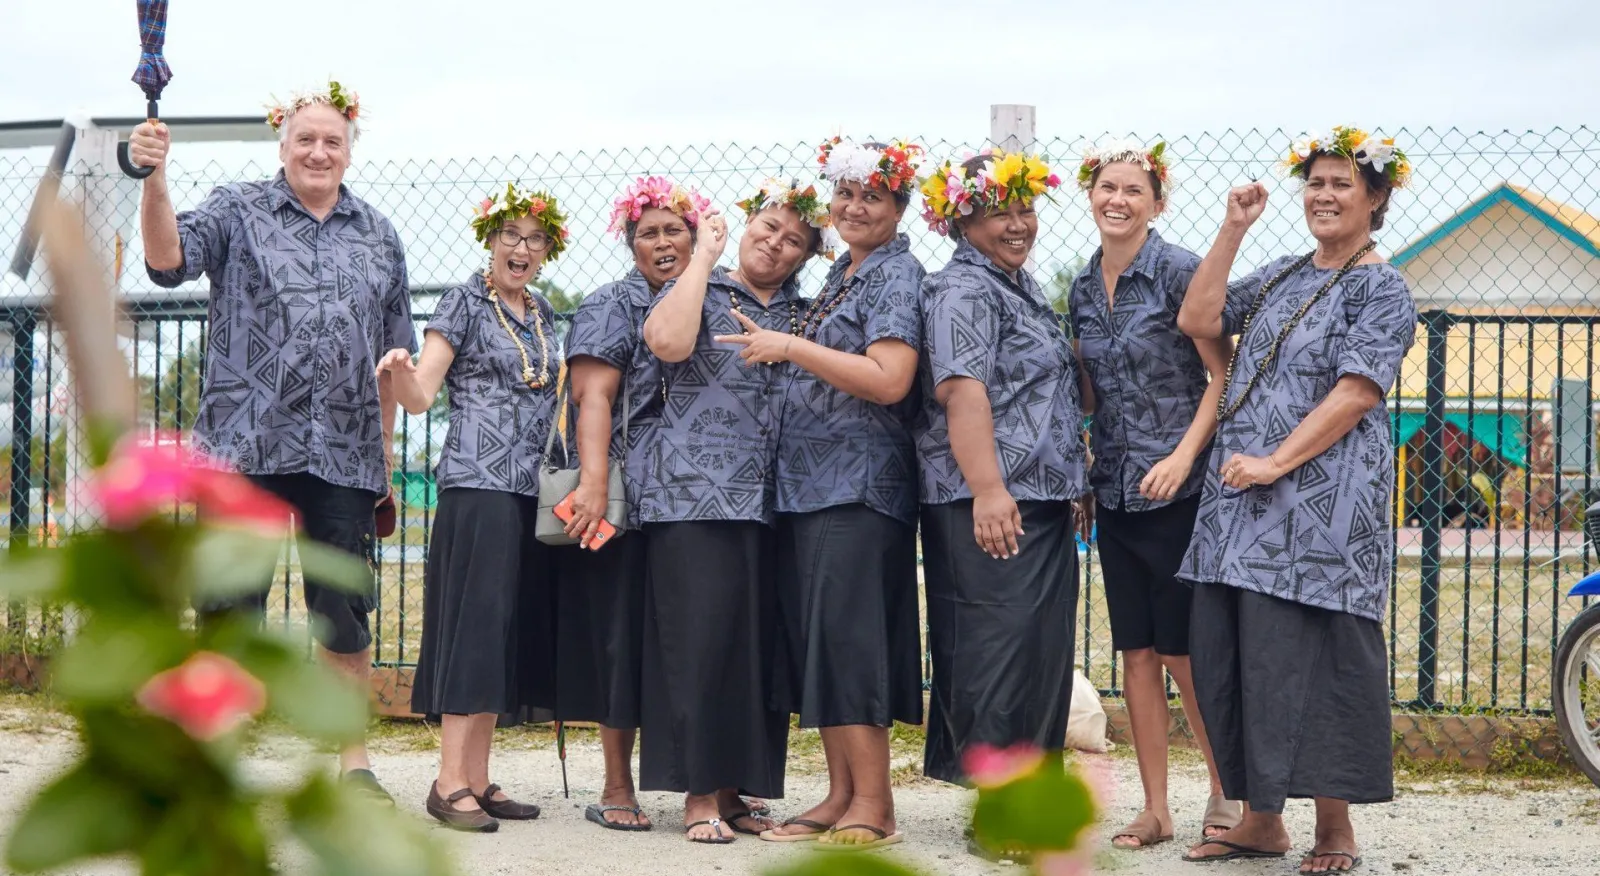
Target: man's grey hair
[(352, 127)]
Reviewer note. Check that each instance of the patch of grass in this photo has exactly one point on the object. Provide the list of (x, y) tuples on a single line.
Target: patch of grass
[(32, 712)]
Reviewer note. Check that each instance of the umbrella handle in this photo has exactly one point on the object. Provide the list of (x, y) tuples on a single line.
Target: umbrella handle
[(125, 161)]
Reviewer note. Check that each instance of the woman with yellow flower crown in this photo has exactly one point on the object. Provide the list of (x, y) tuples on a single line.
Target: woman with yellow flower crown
[(1291, 555), (1154, 415), (708, 728), (1001, 457), (486, 635)]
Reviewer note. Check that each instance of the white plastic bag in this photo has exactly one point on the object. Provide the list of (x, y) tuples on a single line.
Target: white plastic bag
[(1086, 722)]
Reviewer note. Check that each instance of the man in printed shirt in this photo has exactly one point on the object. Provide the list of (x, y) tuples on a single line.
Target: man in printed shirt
[(308, 289)]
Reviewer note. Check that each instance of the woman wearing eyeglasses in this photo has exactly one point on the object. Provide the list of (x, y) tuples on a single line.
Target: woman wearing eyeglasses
[(486, 637)]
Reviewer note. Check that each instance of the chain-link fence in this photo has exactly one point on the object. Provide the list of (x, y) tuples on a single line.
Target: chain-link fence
[(1493, 412)]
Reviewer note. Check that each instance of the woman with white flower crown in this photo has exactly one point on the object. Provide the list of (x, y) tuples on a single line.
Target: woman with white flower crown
[(1291, 556), (487, 639), (1153, 417), (707, 506), (847, 502)]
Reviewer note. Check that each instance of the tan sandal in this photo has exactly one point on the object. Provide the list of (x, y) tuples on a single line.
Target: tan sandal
[(1221, 812), (1145, 828)]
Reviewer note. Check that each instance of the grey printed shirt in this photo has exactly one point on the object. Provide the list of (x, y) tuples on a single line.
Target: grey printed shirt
[(1320, 535), (978, 323), (714, 441), (1147, 376), (834, 448), (300, 312), (609, 326), (498, 423)]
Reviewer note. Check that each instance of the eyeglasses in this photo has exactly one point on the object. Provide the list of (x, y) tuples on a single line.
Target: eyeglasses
[(537, 240)]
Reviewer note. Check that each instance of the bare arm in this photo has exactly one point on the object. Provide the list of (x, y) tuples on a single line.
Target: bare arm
[(1201, 313), (158, 221), (1331, 420), (883, 376), (1215, 353), (966, 404), (674, 323), (594, 390), (415, 386), (386, 415)]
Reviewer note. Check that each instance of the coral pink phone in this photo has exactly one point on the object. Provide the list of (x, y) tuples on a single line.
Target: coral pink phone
[(602, 534)]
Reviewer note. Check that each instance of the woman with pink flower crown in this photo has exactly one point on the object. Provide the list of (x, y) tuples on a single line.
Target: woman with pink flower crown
[(1001, 460), (615, 385), (850, 659)]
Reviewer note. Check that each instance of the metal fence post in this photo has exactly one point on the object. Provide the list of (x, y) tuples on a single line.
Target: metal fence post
[(1438, 324)]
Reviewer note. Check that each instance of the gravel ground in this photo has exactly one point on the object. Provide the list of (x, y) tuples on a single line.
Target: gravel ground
[(1456, 824)]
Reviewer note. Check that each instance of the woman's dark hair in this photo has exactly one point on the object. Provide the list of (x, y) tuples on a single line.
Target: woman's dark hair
[(1377, 182), (1155, 180)]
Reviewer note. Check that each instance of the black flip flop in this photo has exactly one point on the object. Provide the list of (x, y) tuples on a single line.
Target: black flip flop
[(716, 825), (596, 812), (1236, 853), (732, 821), (1355, 860)]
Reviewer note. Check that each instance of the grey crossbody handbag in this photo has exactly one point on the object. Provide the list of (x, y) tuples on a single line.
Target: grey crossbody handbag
[(558, 482)]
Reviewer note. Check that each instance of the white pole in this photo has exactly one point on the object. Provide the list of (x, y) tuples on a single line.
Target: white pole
[(1011, 126)]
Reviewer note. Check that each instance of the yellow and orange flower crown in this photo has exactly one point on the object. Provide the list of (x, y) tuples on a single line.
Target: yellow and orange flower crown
[(514, 203), (347, 102), (893, 166), (775, 192), (1376, 152), (1153, 160), (950, 193)]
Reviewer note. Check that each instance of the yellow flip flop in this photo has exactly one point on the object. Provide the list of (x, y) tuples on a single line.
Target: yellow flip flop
[(884, 838)]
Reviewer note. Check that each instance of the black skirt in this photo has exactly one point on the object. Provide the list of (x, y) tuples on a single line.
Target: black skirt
[(847, 602), (1000, 633), (487, 641), (710, 636), (1295, 699), (600, 631)]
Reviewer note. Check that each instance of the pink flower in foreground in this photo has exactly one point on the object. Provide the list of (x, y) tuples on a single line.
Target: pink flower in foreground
[(145, 478), (207, 696), (992, 767)]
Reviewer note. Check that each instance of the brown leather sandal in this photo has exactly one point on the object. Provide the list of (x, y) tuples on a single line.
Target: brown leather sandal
[(444, 809), (1221, 812), (1145, 828), (510, 810)]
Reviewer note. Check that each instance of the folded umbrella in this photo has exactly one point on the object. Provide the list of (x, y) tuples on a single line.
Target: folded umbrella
[(152, 74)]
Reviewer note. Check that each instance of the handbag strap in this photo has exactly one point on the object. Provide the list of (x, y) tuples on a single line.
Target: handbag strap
[(558, 424)]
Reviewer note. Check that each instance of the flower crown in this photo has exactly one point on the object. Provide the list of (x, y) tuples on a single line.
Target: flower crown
[(1153, 160), (1356, 145), (1005, 177), (656, 191), (776, 193), (515, 203), (893, 167), (347, 102)]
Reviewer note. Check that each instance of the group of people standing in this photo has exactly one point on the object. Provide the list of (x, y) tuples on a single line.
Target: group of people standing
[(778, 451)]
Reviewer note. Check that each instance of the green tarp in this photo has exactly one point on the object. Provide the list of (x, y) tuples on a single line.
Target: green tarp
[(1502, 433)]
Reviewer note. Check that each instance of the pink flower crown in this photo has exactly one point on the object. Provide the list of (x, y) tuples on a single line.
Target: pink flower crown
[(347, 102), (656, 191)]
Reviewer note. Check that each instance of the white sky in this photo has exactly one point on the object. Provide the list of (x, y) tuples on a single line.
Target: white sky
[(450, 78)]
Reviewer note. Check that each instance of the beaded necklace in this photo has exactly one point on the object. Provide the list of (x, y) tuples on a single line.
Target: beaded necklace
[(819, 310), (1225, 411), (794, 314), (534, 381)]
